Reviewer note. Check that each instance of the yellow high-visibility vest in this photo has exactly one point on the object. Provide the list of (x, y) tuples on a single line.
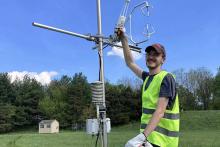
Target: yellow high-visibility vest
[(166, 134)]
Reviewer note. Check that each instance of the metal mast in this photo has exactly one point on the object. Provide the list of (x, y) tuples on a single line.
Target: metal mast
[(101, 76)]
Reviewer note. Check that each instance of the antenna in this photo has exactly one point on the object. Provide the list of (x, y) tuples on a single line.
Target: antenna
[(101, 43)]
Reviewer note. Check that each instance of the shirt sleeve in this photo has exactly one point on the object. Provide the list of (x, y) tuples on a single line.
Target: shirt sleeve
[(168, 89), (144, 75)]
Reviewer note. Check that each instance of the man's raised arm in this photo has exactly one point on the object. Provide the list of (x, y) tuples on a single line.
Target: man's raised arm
[(128, 56)]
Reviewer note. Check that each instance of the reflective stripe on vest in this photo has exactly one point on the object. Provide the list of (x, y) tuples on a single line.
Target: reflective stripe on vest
[(166, 115), (163, 131)]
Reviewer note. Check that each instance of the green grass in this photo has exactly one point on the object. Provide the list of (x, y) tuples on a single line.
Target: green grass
[(198, 129), (200, 138)]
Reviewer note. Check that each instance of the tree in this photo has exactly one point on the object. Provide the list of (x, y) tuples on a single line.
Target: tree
[(79, 97), (28, 94), (186, 98), (123, 103), (216, 91), (201, 81), (115, 104), (198, 83), (7, 99), (7, 94), (53, 105), (7, 114)]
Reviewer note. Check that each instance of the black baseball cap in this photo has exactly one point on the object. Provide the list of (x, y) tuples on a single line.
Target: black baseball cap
[(158, 48)]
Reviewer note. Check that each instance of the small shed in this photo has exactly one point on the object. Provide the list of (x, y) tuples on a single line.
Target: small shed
[(49, 126)]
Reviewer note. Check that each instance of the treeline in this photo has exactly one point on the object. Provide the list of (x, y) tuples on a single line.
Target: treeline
[(25, 103), (198, 89), (68, 99)]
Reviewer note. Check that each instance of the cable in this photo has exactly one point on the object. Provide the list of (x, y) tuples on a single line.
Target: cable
[(98, 135), (99, 66), (105, 46), (97, 138)]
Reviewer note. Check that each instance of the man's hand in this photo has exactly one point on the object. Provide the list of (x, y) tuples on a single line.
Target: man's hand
[(120, 33), (138, 141)]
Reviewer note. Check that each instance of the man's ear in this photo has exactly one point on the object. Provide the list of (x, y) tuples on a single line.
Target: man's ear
[(163, 60)]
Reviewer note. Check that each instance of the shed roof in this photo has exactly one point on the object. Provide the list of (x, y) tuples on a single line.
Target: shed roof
[(47, 121)]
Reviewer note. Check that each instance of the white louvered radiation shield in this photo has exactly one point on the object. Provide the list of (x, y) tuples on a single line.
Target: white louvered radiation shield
[(97, 92)]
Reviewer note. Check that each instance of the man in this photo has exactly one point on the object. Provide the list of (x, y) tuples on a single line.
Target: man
[(160, 104)]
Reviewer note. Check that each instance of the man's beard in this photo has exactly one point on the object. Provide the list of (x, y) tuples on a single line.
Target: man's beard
[(151, 68), (153, 60)]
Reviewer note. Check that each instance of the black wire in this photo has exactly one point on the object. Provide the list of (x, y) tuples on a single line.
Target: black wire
[(105, 46), (100, 62), (97, 138), (98, 135), (99, 66)]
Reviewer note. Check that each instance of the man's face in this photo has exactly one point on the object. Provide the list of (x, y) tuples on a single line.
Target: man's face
[(154, 59)]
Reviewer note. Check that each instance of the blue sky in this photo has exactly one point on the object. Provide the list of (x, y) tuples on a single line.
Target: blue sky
[(188, 29)]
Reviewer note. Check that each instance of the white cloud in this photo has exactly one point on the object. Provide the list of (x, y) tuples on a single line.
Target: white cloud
[(116, 51), (44, 77)]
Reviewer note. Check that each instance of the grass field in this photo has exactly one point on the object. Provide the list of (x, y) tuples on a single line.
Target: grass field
[(198, 129)]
